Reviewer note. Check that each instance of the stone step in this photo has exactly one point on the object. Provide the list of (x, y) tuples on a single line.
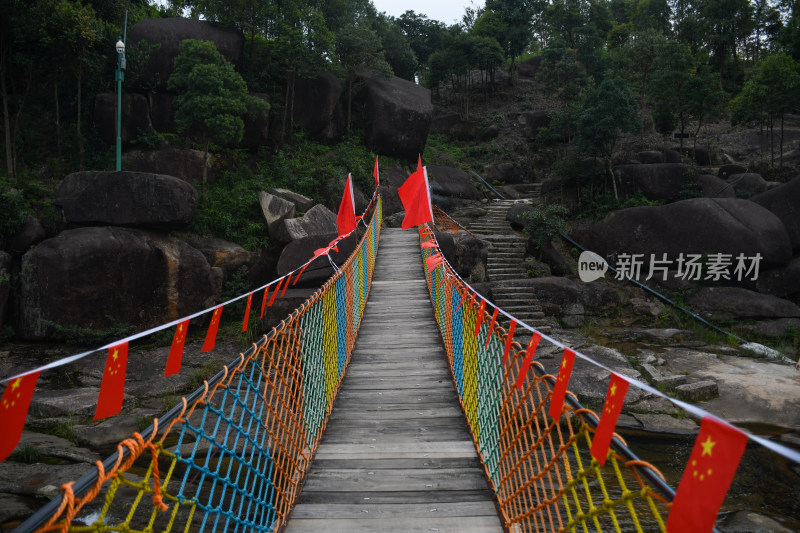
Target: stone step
[(510, 269)]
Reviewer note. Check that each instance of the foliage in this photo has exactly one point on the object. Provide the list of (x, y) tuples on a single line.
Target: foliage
[(78, 336), (607, 112), (545, 223), (28, 454), (562, 73), (597, 206), (14, 210)]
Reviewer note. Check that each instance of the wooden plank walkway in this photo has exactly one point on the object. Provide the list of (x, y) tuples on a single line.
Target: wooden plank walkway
[(397, 455)]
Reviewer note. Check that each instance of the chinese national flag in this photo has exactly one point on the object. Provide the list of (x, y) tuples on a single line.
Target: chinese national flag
[(526, 363), (509, 340), (275, 292), (13, 411), (211, 334), (247, 312), (264, 300), (416, 199), (479, 321), (491, 326), (615, 397), (112, 388), (560, 389), (346, 219), (176, 350), (375, 173), (286, 285), (709, 472)]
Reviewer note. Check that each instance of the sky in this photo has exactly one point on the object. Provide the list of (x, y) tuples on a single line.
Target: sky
[(447, 11)]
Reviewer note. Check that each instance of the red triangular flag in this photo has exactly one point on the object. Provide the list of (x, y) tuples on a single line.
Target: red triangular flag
[(615, 397), (14, 410), (709, 472), (461, 301), (479, 321), (434, 261), (491, 326), (286, 285), (275, 292), (428, 244), (560, 388), (264, 300), (211, 334), (112, 388), (419, 161), (526, 363), (247, 312), (416, 199), (375, 173), (509, 340), (175, 357), (346, 218)]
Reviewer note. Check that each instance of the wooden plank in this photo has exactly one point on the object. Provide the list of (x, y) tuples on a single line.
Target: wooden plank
[(388, 511), (397, 498), (470, 524), (460, 448), (393, 480)]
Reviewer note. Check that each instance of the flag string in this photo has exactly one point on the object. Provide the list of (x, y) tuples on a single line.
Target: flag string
[(780, 449)]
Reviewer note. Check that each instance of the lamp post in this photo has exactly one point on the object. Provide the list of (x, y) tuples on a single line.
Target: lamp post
[(120, 75)]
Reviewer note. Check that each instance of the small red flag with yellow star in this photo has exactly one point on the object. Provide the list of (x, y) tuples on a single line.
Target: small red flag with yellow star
[(112, 388), (526, 363), (247, 312), (13, 411), (709, 472), (560, 388), (175, 358), (615, 397), (509, 340), (211, 334), (479, 321), (491, 326)]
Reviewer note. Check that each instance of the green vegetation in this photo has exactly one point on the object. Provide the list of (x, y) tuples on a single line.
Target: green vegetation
[(28, 454), (545, 223)]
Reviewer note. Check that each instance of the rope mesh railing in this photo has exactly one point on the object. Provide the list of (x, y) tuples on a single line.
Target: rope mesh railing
[(233, 455), (540, 467)]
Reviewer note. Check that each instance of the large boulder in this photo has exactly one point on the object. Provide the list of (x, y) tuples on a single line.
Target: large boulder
[(225, 255), (529, 67), (391, 179), (509, 173), (162, 112), (317, 108), (164, 37), (748, 184), (784, 202), (183, 163), (651, 157), (782, 281), (452, 182), (532, 121), (31, 232), (301, 203), (298, 252), (98, 278), (726, 171), (275, 211), (454, 127), (471, 257), (517, 215), (736, 303), (714, 187), (319, 220), (660, 181), (5, 285), (694, 226), (127, 199), (397, 116), (135, 116)]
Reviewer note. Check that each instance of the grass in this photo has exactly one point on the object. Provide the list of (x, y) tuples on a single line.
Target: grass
[(28, 454)]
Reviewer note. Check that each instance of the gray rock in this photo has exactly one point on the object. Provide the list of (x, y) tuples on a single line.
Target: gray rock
[(454, 127), (71, 402), (275, 211), (748, 184), (644, 307), (714, 187), (517, 215), (698, 391), (299, 251), (750, 522), (784, 202), (772, 328), (735, 303), (127, 199), (319, 220), (14, 507), (54, 447), (651, 157), (781, 281), (30, 234), (41, 480), (509, 174), (532, 121), (397, 115), (452, 182), (726, 171), (281, 308), (99, 278), (111, 431), (661, 423), (599, 297), (318, 109), (226, 255), (301, 203), (394, 220), (183, 163), (662, 181)]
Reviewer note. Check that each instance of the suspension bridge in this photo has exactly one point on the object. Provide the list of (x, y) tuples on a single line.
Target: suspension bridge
[(393, 399)]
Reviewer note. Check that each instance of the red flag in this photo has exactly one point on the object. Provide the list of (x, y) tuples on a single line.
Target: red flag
[(416, 199), (615, 397), (275, 292), (13, 411), (709, 472), (419, 161), (247, 312), (461, 301), (264, 300), (560, 388), (481, 311), (375, 173), (175, 357), (346, 219), (491, 326), (286, 285), (434, 261), (526, 363), (112, 388), (211, 334), (428, 244), (509, 340)]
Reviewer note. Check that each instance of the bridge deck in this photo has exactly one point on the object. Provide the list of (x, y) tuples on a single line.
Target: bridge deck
[(397, 455)]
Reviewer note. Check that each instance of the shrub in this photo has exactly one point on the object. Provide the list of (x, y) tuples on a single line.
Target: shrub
[(545, 223)]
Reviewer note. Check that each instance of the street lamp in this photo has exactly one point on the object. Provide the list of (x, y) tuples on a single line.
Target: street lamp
[(120, 75)]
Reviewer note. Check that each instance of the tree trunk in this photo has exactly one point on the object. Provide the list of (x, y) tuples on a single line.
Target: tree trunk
[(78, 121), (6, 116)]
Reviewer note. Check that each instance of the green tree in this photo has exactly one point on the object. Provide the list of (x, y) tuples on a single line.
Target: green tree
[(396, 48), (672, 88), (213, 97), (423, 35), (608, 111), (516, 18), (638, 58)]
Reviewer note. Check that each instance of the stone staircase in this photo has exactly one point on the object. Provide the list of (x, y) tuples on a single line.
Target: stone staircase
[(505, 265)]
